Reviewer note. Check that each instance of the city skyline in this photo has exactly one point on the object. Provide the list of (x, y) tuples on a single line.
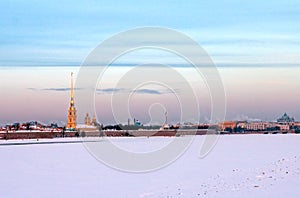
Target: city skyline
[(48, 100), (254, 45), (129, 98)]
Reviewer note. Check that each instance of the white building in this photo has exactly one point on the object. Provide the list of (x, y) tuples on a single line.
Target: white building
[(283, 127), (256, 126)]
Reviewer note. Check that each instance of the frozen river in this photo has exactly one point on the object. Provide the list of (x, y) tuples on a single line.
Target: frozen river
[(239, 165)]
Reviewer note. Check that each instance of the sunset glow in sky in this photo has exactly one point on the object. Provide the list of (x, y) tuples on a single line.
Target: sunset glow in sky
[(41, 93), (254, 44)]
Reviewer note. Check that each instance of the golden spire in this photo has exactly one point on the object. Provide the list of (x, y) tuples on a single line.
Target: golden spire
[(72, 90), (71, 123)]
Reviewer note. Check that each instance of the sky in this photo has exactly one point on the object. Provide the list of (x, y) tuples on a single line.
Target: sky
[(254, 44), (232, 32)]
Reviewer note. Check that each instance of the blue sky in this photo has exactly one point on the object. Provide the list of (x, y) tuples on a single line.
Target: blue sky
[(261, 39), (232, 32)]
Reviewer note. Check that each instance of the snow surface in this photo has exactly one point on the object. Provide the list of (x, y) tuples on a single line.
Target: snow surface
[(239, 165)]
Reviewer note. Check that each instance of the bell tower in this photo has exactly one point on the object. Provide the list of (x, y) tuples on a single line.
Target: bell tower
[(71, 123)]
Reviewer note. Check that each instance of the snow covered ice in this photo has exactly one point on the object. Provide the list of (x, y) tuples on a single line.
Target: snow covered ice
[(239, 165)]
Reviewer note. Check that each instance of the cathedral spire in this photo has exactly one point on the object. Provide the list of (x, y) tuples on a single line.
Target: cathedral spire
[(71, 123), (72, 91)]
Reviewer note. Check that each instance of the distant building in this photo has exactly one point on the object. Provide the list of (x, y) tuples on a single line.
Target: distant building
[(262, 126), (297, 124), (87, 120), (89, 127), (94, 120), (137, 122), (285, 119), (256, 126), (283, 127), (71, 122), (227, 126)]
